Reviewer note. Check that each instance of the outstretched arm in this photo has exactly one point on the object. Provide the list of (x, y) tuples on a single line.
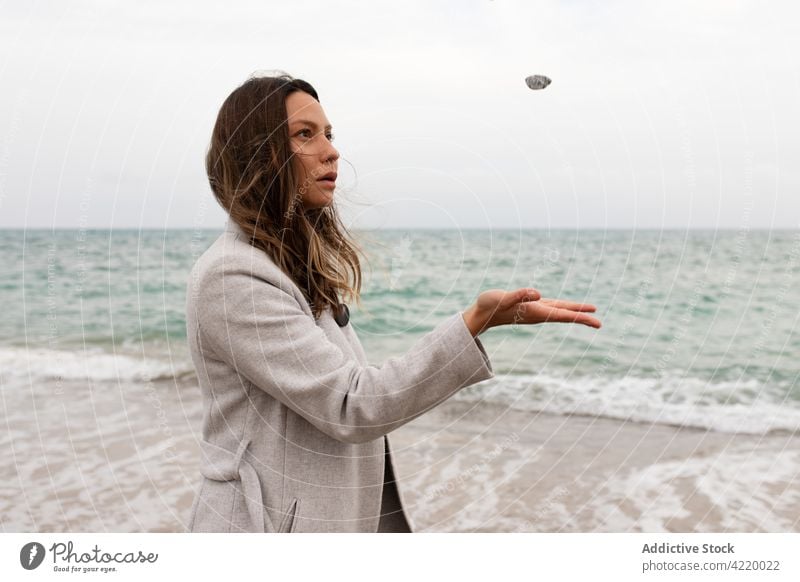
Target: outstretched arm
[(263, 333)]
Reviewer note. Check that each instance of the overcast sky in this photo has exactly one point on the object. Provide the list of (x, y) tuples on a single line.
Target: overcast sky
[(660, 115)]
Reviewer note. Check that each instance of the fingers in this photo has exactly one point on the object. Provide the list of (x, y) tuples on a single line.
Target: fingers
[(521, 295), (571, 305), (559, 315)]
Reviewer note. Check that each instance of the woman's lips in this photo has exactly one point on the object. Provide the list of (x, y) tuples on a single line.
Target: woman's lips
[(328, 183)]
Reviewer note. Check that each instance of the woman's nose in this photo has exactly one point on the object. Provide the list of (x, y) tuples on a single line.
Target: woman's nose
[(331, 154)]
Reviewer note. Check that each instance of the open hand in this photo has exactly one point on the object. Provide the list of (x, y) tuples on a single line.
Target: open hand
[(524, 306)]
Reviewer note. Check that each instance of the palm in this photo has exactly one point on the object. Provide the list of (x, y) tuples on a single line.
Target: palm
[(524, 306)]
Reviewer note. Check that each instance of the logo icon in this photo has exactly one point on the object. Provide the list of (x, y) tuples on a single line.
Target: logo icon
[(31, 555)]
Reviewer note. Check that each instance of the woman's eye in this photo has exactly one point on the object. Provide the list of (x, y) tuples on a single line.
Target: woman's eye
[(307, 133)]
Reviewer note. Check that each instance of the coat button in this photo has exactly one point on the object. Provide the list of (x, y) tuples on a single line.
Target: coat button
[(343, 315)]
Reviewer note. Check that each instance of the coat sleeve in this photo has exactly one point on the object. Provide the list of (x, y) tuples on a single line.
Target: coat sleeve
[(262, 332)]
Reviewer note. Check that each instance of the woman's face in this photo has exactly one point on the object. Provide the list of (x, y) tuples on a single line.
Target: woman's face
[(315, 158)]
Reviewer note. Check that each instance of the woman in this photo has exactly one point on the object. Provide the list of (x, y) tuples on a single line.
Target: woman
[(295, 420)]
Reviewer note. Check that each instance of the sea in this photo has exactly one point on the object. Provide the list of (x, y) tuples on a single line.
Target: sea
[(700, 327)]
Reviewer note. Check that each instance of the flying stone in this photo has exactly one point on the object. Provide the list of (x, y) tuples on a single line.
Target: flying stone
[(537, 82)]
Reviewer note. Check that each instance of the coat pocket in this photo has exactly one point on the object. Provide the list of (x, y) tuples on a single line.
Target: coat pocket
[(289, 519), (231, 473)]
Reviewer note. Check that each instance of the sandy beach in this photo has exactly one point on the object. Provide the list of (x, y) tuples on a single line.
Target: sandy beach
[(122, 457), (487, 468), (99, 456)]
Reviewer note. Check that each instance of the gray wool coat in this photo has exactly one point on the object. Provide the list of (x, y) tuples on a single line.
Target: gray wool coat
[(295, 419)]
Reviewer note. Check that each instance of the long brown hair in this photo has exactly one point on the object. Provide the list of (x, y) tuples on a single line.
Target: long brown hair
[(250, 170)]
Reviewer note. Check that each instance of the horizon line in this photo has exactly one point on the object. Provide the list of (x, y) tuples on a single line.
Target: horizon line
[(438, 228)]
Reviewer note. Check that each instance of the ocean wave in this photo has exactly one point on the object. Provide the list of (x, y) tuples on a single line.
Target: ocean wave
[(93, 364), (747, 406)]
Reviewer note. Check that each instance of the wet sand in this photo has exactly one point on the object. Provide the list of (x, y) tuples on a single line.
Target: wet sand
[(87, 457), (490, 469), (122, 457)]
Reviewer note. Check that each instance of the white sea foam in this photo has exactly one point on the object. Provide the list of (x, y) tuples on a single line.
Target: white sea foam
[(734, 490), (45, 364), (748, 407)]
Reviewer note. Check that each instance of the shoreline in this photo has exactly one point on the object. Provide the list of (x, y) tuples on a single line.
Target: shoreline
[(123, 457), (464, 467)]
